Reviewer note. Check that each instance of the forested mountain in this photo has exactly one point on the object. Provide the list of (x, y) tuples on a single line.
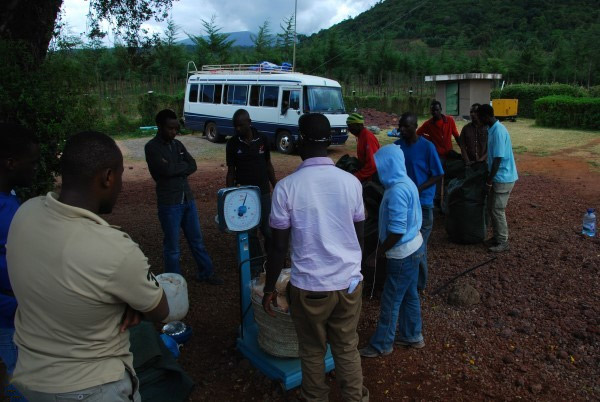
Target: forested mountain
[(474, 24), (526, 40)]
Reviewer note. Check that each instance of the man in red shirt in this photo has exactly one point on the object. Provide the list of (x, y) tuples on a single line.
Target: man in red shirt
[(365, 148), (439, 129)]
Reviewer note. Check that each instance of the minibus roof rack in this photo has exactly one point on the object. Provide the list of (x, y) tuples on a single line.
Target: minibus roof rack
[(250, 69)]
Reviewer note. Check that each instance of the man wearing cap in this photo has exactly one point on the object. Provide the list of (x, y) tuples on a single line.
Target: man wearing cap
[(320, 208), (366, 146), (501, 177)]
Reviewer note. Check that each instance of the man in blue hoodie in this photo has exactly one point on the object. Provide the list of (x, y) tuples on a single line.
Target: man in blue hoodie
[(402, 244), (423, 166), (19, 156)]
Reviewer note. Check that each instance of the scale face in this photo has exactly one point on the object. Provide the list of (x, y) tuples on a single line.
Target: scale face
[(239, 208)]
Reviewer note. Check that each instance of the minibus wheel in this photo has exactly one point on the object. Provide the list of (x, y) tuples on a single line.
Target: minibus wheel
[(284, 142), (211, 132)]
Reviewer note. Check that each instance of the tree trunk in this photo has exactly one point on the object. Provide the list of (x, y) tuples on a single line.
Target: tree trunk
[(31, 22)]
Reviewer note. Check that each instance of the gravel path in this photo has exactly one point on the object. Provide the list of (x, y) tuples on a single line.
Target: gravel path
[(197, 146)]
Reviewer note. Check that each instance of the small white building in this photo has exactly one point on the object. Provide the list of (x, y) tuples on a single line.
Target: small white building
[(457, 92)]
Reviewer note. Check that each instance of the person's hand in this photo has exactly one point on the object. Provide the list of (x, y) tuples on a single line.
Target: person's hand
[(131, 318), (487, 188), (268, 299)]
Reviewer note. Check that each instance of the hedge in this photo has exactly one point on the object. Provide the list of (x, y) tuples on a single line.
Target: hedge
[(390, 104), (594, 92), (151, 103), (568, 112), (528, 93)]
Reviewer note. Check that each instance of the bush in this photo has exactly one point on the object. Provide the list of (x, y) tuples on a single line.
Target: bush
[(51, 99), (568, 112), (151, 103), (594, 92), (390, 104), (528, 93)]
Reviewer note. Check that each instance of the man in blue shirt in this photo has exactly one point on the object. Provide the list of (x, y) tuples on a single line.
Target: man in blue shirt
[(424, 168), (501, 178), (19, 156)]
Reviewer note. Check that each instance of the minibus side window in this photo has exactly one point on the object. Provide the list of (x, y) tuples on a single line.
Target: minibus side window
[(254, 94), (218, 93), (193, 95), (240, 96), (208, 91), (237, 94), (269, 96)]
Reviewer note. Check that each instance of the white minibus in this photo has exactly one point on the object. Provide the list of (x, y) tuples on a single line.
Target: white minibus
[(275, 99)]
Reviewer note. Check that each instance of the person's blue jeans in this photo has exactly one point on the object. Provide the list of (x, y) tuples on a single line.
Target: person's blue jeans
[(8, 354), (426, 228), (183, 216), (400, 311)]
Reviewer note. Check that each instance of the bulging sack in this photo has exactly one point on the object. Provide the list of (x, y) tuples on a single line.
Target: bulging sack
[(258, 284), (466, 206), (175, 288)]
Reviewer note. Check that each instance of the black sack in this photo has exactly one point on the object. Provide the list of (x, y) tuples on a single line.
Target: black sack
[(348, 163), (466, 206)]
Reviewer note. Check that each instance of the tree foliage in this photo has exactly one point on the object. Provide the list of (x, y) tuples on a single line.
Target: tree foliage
[(50, 93), (213, 48), (263, 42)]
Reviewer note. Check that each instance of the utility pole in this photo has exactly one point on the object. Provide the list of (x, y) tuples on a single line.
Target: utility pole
[(294, 56)]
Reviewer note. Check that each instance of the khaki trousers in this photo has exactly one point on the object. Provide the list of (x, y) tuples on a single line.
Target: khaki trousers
[(124, 390), (321, 317), (497, 202)]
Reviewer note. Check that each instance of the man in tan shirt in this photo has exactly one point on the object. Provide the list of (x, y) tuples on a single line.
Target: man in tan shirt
[(80, 283)]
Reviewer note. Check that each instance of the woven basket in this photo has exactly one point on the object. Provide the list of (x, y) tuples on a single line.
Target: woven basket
[(276, 335)]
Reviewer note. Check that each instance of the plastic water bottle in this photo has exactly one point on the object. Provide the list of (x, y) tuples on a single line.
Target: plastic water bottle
[(589, 223)]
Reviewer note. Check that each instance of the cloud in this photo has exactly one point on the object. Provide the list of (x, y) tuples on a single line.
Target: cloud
[(236, 15)]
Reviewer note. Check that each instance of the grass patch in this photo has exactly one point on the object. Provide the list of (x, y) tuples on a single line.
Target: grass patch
[(519, 149), (594, 165)]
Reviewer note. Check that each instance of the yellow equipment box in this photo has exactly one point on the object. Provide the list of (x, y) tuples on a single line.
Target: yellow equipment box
[(505, 108)]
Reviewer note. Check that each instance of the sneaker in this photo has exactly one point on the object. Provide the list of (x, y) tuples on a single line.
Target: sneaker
[(370, 351), (415, 345), (499, 248), (211, 280)]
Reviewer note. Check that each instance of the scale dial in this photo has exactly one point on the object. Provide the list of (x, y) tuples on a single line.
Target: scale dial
[(241, 208)]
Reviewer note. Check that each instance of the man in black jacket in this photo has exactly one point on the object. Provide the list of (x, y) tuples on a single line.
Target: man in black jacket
[(248, 158), (170, 164)]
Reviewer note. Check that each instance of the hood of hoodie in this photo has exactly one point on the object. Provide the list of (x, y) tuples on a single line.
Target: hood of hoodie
[(390, 165)]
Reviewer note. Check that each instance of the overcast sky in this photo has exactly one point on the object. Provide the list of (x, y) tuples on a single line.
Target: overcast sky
[(237, 15)]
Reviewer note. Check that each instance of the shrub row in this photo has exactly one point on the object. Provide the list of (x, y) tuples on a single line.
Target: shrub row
[(528, 93), (568, 112), (390, 104), (151, 103)]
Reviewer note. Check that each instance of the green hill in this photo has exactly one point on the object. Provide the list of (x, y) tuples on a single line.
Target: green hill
[(475, 24), (527, 40)]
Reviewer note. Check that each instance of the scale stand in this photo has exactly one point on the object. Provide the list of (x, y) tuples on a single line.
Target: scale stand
[(287, 371)]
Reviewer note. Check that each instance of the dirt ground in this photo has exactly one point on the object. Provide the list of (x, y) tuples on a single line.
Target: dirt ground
[(535, 335)]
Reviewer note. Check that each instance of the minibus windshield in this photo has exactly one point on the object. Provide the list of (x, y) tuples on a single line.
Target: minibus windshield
[(325, 100)]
